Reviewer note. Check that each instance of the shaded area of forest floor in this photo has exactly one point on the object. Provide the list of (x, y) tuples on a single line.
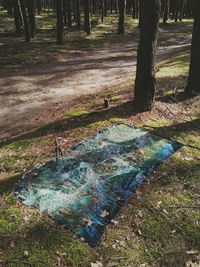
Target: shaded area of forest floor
[(160, 226)]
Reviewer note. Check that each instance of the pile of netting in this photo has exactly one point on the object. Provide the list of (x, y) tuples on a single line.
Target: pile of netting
[(86, 188)]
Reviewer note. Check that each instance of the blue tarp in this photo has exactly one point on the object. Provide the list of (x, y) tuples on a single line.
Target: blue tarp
[(88, 186)]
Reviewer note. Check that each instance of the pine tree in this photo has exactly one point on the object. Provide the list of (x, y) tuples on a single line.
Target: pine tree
[(145, 74), (193, 84), (86, 17), (59, 12), (121, 6)]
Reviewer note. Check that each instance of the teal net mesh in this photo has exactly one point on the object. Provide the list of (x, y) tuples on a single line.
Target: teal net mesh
[(86, 188)]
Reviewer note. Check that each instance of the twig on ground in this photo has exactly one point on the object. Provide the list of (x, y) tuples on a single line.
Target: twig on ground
[(185, 206), (16, 261), (58, 149), (29, 168), (138, 232), (154, 209), (161, 177)]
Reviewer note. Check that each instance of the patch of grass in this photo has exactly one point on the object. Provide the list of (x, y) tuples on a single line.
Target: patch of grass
[(19, 145), (9, 162), (156, 227), (87, 103), (77, 112), (16, 161), (10, 220), (158, 123), (115, 98), (49, 246)]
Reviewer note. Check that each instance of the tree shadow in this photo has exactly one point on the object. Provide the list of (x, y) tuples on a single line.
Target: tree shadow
[(175, 97), (123, 110), (174, 130), (8, 184)]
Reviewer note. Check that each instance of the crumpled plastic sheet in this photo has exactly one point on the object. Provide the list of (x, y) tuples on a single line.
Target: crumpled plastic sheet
[(86, 188)]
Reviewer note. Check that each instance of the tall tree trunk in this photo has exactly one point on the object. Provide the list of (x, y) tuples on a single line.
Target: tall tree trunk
[(39, 6), (134, 16), (94, 6), (121, 7), (27, 33), (65, 12), (69, 14), (86, 17), (17, 16), (31, 16), (78, 18), (9, 7), (166, 11), (193, 84), (59, 13), (102, 10), (145, 75), (182, 4), (105, 8)]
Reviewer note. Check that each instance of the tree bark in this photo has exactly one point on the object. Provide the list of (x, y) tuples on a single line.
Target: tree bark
[(27, 33), (193, 84), (86, 17), (78, 18), (69, 14), (17, 16), (145, 75), (166, 11), (59, 13), (102, 10), (121, 7), (31, 16)]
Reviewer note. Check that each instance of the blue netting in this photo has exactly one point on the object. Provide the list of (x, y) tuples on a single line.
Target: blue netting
[(86, 188)]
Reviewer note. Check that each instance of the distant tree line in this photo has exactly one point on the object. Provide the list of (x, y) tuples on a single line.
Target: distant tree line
[(69, 12), (148, 12)]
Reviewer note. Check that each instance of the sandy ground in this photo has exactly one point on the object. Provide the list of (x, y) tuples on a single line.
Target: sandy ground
[(27, 94)]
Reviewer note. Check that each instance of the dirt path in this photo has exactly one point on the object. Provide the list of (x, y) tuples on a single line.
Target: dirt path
[(26, 94)]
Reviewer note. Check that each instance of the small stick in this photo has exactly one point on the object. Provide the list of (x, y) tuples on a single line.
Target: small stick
[(106, 103), (185, 207), (16, 261), (58, 150)]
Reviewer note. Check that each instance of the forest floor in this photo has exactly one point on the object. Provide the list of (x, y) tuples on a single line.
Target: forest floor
[(37, 79), (160, 226)]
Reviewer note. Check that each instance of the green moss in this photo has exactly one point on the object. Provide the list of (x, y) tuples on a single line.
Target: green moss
[(190, 228), (117, 120), (156, 227), (45, 245), (87, 103), (77, 112), (10, 161), (10, 199), (115, 98), (158, 123), (16, 161), (10, 220), (176, 198), (18, 145)]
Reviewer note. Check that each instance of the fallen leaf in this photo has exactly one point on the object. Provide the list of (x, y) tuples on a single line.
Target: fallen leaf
[(87, 222), (158, 204), (61, 254), (104, 214), (26, 253), (190, 252), (97, 264), (114, 222)]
